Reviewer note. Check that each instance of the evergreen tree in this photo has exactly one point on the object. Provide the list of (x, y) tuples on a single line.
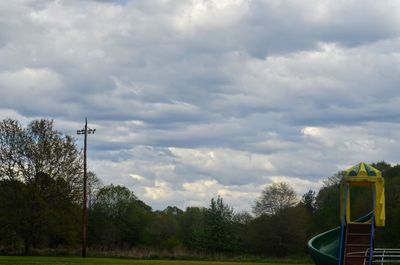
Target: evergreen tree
[(308, 199), (219, 227)]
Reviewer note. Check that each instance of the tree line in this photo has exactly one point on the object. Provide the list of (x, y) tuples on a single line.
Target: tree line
[(40, 207)]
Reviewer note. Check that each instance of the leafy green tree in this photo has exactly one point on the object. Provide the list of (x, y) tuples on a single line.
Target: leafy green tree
[(242, 218), (389, 236), (114, 200), (241, 222), (39, 168), (274, 198), (382, 166), (164, 230), (51, 152), (335, 180), (219, 227), (12, 144), (308, 199), (192, 227), (256, 237), (290, 232), (327, 208), (211, 229), (39, 148), (173, 211), (40, 213), (52, 217), (284, 233), (12, 213), (118, 218), (94, 184)]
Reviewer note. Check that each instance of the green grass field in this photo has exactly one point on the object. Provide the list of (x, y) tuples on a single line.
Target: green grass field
[(109, 261)]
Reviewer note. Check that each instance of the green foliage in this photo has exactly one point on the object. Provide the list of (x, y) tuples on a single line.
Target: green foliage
[(118, 218), (50, 213), (93, 186), (279, 235), (192, 225), (164, 231), (309, 200), (26, 152), (40, 207), (109, 261), (274, 198), (220, 236), (38, 213), (38, 148), (113, 201), (211, 229), (382, 166), (50, 152), (327, 202), (12, 142), (390, 234), (40, 186), (12, 209)]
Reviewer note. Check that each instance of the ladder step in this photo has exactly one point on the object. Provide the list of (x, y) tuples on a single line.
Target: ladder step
[(358, 228), (359, 234)]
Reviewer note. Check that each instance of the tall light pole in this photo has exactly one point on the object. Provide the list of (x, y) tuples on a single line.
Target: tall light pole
[(85, 131)]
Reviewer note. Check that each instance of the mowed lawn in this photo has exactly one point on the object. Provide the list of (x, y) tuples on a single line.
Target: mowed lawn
[(108, 261)]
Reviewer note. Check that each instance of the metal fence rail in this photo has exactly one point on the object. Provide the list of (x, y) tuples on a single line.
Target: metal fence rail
[(383, 256)]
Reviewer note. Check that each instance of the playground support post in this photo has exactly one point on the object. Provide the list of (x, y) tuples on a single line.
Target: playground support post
[(371, 243), (342, 226)]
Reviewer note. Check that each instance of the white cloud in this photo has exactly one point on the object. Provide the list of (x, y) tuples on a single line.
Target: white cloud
[(30, 81), (216, 96), (211, 15), (301, 186), (137, 177), (227, 166), (311, 131), (200, 186), (160, 191)]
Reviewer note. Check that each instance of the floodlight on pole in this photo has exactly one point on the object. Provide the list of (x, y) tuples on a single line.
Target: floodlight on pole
[(85, 131)]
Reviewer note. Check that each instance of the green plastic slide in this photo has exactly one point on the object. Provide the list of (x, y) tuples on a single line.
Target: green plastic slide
[(324, 248)]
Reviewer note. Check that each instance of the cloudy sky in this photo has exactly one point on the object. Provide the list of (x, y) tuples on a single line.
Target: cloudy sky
[(195, 98)]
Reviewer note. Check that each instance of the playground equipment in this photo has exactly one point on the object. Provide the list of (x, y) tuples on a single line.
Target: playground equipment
[(353, 242)]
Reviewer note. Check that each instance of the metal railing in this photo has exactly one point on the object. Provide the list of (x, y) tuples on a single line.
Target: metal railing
[(382, 256), (386, 256)]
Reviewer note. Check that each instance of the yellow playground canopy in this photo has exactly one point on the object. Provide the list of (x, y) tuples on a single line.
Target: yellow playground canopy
[(363, 174)]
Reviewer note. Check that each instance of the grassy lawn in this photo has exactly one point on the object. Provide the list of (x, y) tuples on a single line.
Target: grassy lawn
[(108, 261)]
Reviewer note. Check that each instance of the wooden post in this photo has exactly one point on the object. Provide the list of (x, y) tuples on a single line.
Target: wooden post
[(84, 213)]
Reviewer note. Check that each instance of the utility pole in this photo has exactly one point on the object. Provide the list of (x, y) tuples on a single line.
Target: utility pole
[(85, 131)]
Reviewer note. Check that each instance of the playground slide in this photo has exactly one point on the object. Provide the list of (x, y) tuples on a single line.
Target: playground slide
[(324, 248)]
